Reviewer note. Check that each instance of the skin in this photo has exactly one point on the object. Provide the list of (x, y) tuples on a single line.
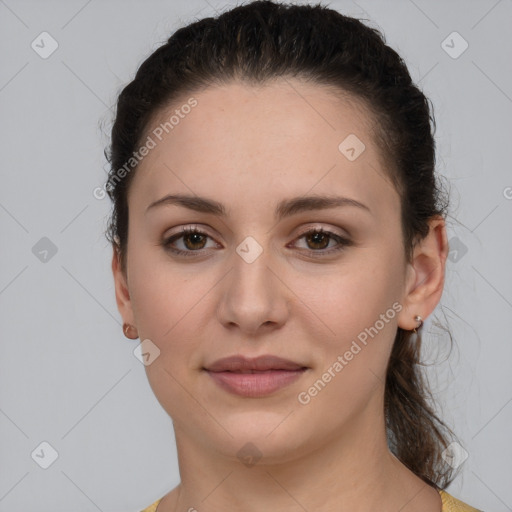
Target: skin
[(250, 147)]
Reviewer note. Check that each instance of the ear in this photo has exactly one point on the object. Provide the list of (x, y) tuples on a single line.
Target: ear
[(425, 275), (124, 304)]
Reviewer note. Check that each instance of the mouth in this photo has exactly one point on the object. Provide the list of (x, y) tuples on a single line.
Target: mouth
[(256, 377)]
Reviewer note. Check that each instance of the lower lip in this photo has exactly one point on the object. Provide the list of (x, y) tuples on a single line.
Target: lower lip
[(255, 384)]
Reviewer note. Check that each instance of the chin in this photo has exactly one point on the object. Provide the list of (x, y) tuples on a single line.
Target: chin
[(262, 436)]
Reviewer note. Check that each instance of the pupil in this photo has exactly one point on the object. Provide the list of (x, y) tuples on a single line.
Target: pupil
[(315, 238), (192, 235)]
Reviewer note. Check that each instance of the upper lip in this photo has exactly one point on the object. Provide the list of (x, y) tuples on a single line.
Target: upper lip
[(239, 363)]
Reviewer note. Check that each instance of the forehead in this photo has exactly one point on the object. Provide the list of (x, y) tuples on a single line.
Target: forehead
[(282, 138), (281, 113)]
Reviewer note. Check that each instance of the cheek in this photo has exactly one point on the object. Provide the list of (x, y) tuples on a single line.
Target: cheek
[(349, 298), (170, 312), (173, 308), (352, 359), (355, 318), (162, 293)]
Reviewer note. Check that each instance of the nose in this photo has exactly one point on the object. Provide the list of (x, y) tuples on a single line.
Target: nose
[(253, 297)]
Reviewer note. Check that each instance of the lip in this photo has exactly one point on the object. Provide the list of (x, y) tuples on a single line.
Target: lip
[(239, 363), (254, 377)]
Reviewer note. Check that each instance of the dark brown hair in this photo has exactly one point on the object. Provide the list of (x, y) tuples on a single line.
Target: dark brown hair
[(262, 41)]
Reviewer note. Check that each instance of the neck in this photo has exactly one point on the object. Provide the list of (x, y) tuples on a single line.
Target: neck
[(354, 471)]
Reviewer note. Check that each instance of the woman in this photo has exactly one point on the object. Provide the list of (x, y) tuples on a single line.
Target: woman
[(279, 239)]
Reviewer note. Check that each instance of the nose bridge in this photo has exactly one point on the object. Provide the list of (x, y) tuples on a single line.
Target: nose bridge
[(252, 295), (252, 278)]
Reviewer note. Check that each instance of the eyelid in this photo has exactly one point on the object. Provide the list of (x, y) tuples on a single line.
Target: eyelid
[(318, 227), (304, 230), (343, 240), (184, 230)]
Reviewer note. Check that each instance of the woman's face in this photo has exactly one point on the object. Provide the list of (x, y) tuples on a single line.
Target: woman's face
[(253, 283)]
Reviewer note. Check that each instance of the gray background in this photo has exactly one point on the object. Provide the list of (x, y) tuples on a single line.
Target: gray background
[(67, 374)]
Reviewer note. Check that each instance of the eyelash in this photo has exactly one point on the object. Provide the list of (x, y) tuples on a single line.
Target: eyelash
[(186, 230)]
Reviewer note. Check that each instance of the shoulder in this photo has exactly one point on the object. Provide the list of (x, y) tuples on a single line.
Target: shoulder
[(451, 504), (152, 507)]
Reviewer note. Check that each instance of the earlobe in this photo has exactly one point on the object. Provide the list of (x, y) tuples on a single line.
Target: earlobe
[(427, 270)]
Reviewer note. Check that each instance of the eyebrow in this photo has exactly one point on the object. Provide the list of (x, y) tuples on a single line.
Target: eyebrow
[(285, 208)]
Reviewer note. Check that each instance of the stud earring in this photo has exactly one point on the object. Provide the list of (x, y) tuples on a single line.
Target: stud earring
[(128, 331), (420, 323)]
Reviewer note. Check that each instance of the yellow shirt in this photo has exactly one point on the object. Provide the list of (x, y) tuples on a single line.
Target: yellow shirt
[(450, 504)]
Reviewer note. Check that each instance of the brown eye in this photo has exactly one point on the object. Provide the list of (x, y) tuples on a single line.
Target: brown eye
[(318, 240), (196, 240), (193, 241)]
